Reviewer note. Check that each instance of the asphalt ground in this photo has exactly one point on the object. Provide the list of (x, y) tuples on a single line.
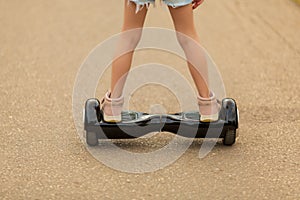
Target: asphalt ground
[(42, 44)]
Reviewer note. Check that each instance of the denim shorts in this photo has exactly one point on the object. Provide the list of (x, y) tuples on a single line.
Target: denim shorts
[(174, 3)]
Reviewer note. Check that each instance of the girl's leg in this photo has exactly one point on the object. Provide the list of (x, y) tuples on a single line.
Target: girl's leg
[(128, 41), (184, 24)]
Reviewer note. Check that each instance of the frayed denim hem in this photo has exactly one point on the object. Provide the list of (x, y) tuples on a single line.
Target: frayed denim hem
[(140, 4), (173, 3), (177, 4)]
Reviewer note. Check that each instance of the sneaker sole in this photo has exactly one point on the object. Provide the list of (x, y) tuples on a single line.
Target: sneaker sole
[(209, 118), (114, 119)]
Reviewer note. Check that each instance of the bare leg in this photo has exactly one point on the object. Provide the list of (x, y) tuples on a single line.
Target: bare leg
[(128, 41), (184, 23)]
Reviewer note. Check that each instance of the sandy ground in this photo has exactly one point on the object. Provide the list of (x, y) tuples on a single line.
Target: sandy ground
[(42, 44)]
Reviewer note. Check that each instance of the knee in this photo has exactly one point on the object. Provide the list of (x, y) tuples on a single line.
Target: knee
[(131, 38), (185, 39)]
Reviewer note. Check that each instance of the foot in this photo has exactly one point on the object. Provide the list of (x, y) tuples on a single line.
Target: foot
[(209, 108), (112, 108)]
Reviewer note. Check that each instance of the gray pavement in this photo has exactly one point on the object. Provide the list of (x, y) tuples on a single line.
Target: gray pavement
[(42, 44)]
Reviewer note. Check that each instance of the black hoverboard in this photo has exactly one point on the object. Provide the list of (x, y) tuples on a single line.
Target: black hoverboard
[(137, 124)]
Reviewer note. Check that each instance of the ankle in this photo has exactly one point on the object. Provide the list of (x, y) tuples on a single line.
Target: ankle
[(205, 95), (210, 97), (113, 97)]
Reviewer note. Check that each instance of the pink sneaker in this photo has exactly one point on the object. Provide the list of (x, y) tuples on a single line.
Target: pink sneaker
[(209, 108), (112, 108)]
